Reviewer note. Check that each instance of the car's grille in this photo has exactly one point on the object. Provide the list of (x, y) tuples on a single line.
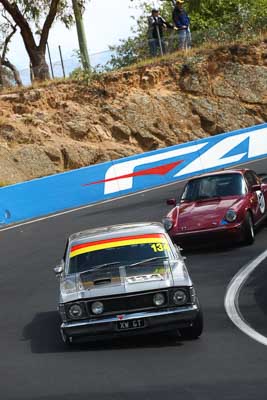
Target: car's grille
[(126, 303)]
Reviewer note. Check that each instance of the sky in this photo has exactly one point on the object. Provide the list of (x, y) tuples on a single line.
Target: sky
[(106, 21)]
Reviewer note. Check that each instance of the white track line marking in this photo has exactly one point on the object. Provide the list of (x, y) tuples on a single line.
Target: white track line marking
[(232, 296), (33, 221)]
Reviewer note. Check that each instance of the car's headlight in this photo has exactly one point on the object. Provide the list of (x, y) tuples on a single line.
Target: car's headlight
[(179, 297), (158, 299), (167, 223), (97, 307), (230, 216), (75, 311)]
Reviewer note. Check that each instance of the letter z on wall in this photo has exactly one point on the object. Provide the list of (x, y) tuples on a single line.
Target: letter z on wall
[(179, 162)]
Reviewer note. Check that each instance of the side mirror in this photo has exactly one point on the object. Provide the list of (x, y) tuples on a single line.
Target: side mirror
[(171, 202), (59, 269), (254, 188)]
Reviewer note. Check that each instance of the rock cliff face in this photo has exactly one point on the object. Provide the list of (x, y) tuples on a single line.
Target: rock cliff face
[(69, 125)]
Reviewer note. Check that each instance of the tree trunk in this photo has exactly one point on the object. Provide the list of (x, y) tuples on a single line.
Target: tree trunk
[(15, 72), (39, 65), (36, 53)]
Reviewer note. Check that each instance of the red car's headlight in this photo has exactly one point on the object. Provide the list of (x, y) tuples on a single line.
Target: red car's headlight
[(230, 216)]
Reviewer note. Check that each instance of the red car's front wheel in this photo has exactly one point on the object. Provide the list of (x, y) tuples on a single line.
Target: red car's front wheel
[(248, 233)]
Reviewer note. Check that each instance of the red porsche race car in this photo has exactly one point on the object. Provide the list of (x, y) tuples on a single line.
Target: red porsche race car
[(226, 204)]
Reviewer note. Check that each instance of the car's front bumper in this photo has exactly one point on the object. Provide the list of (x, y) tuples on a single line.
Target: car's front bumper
[(155, 321), (229, 232)]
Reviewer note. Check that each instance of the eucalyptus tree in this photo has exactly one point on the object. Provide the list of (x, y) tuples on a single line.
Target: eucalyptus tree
[(35, 18)]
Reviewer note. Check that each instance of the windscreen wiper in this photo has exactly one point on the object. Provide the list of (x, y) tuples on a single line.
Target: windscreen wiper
[(101, 266), (146, 260)]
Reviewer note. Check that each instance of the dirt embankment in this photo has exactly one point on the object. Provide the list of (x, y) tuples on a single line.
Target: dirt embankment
[(69, 125)]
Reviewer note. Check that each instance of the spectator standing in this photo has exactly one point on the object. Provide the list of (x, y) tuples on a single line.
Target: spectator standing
[(181, 22), (155, 33)]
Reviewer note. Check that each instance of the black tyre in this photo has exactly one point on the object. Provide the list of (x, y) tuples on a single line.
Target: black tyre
[(248, 230), (195, 330)]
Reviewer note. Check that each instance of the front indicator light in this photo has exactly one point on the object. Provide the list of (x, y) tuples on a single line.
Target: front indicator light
[(193, 295), (62, 312)]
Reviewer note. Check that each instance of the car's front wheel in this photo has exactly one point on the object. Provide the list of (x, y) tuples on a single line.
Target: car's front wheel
[(248, 230), (195, 330)]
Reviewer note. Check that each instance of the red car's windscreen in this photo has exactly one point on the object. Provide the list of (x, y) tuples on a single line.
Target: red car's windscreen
[(214, 186)]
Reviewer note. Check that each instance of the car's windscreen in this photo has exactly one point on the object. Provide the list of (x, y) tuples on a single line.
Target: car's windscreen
[(112, 253), (214, 186)]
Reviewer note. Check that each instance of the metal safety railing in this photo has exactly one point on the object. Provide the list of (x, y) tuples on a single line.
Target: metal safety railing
[(63, 67)]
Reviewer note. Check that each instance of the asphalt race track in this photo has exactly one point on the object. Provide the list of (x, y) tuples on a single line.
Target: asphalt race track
[(223, 364)]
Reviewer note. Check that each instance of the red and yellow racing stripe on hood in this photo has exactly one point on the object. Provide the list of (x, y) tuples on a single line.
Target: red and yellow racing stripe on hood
[(117, 242)]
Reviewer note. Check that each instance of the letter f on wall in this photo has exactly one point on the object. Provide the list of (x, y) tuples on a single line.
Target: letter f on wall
[(120, 176)]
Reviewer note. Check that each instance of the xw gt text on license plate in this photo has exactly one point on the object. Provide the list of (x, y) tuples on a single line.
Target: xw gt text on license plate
[(131, 324)]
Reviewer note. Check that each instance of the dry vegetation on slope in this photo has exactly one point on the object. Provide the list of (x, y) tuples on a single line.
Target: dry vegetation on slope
[(66, 125)]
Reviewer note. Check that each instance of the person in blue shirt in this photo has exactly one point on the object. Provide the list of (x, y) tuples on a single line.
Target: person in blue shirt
[(181, 22)]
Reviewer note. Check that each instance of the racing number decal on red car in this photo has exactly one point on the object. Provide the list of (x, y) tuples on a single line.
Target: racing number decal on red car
[(261, 201)]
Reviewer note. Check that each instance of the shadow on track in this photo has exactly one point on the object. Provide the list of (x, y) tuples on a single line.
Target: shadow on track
[(43, 334)]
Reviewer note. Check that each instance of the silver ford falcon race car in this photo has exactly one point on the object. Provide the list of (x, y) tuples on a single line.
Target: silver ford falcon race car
[(125, 280)]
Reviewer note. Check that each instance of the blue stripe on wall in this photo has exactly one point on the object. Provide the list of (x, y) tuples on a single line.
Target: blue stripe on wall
[(63, 191)]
